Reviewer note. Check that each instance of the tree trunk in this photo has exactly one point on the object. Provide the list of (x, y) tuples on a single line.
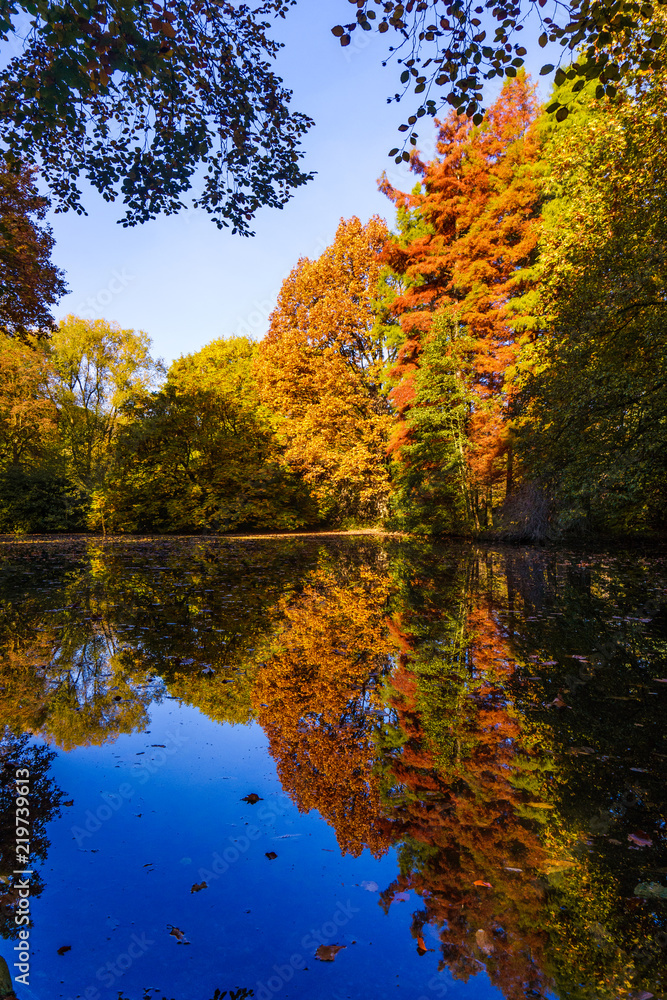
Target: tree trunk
[(509, 482)]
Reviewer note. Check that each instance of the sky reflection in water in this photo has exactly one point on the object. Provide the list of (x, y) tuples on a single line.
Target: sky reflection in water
[(459, 756)]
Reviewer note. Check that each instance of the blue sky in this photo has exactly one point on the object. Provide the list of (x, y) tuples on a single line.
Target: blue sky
[(185, 282)]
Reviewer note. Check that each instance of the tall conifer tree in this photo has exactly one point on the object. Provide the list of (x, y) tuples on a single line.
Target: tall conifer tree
[(470, 263)]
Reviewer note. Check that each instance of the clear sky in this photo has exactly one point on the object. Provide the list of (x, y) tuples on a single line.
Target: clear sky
[(184, 281)]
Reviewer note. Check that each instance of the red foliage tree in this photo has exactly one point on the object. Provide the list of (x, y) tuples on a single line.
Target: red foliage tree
[(470, 258), (465, 810)]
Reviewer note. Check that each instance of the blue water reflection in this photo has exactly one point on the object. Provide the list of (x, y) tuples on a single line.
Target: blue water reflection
[(336, 769)]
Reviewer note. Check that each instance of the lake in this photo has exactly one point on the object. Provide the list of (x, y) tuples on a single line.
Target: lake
[(355, 767)]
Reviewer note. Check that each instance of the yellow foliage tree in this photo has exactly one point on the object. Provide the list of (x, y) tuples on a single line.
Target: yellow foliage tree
[(27, 414), (314, 697), (320, 368)]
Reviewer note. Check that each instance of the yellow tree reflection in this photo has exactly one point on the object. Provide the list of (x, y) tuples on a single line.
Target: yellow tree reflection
[(316, 699)]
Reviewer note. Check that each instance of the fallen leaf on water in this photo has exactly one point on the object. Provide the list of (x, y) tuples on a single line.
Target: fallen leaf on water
[(508, 869), (370, 886), (640, 838), (64, 948), (198, 886), (70, 802), (252, 798), (484, 942), (558, 702), (660, 680), (328, 952), (271, 855), (401, 897), (487, 885), (642, 995), (178, 934)]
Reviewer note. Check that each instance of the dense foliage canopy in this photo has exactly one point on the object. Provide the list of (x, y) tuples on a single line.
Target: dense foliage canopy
[(494, 364), (149, 101), (30, 283)]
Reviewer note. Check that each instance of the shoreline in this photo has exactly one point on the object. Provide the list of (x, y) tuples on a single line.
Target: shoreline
[(27, 539)]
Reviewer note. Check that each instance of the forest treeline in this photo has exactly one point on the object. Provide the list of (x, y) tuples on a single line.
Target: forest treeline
[(493, 364)]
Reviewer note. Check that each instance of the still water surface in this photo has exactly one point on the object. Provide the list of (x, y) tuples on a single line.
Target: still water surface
[(352, 768)]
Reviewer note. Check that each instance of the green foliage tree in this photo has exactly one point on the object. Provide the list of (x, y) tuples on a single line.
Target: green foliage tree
[(201, 455), (100, 371), (432, 486), (595, 384)]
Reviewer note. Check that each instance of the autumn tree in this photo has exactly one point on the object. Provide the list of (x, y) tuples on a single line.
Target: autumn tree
[(100, 370), (30, 283), (321, 369), (469, 262), (593, 385), (201, 454), (315, 694), (35, 492), (28, 415)]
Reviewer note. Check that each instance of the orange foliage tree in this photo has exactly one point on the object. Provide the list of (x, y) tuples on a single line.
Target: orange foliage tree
[(315, 695), (28, 416), (470, 236), (320, 368)]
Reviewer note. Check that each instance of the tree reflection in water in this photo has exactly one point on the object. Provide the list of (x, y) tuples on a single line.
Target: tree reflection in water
[(494, 716)]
